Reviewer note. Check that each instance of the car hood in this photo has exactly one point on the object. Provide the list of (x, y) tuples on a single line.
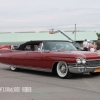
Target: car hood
[(88, 54), (80, 54)]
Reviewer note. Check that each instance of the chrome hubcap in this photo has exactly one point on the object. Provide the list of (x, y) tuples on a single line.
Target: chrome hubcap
[(13, 67), (63, 69)]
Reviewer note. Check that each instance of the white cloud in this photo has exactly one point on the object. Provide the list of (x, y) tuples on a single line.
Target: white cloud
[(23, 15)]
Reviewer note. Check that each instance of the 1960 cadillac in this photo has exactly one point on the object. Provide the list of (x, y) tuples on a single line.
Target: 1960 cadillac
[(54, 56)]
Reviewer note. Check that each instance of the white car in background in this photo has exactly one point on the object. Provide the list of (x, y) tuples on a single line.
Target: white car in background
[(90, 41)]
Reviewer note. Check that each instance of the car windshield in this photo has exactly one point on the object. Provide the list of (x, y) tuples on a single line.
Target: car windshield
[(55, 46)]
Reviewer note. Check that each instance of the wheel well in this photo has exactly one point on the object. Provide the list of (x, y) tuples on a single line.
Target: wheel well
[(54, 67)]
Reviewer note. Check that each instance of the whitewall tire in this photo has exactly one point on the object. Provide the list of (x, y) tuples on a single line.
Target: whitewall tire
[(62, 70), (13, 68)]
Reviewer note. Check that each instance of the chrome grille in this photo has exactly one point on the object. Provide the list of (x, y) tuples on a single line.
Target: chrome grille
[(92, 63)]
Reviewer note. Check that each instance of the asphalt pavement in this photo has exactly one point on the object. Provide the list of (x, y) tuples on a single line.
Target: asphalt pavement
[(35, 85)]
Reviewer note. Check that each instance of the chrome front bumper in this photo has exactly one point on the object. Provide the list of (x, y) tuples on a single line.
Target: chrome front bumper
[(82, 69)]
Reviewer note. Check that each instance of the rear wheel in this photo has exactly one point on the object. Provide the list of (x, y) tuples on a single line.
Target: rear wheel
[(13, 68), (62, 70)]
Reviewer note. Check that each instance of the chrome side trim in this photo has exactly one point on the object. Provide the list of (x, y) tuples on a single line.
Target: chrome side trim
[(31, 68), (34, 68)]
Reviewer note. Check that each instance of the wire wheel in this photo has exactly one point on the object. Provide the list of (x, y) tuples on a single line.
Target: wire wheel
[(62, 70)]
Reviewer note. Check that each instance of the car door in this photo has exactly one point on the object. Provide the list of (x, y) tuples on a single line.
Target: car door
[(33, 59)]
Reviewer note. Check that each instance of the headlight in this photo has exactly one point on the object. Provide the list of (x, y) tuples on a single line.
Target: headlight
[(83, 61), (78, 60)]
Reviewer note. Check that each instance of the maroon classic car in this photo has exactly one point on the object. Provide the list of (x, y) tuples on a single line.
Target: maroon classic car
[(56, 56)]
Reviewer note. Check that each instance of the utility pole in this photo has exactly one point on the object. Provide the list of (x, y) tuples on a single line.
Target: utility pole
[(75, 33)]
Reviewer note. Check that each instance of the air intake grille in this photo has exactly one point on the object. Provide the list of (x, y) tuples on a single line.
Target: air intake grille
[(92, 63)]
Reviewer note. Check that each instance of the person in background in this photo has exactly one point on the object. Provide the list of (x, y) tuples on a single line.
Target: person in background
[(98, 44), (92, 47), (85, 45)]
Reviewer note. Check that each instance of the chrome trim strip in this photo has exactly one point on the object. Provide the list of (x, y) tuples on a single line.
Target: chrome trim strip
[(82, 69), (38, 69), (34, 68), (31, 68), (85, 67), (92, 59)]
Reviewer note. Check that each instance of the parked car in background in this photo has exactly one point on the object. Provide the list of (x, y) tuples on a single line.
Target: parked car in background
[(5, 46), (90, 41), (78, 46), (57, 56), (15, 46)]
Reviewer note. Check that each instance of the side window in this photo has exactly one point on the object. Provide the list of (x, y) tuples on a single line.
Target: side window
[(32, 47)]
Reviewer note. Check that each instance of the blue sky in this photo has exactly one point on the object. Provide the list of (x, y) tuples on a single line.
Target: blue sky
[(39, 15)]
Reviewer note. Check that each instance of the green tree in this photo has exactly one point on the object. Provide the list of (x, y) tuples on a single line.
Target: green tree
[(98, 34)]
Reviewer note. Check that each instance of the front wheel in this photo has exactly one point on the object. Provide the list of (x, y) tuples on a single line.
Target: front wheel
[(62, 70)]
